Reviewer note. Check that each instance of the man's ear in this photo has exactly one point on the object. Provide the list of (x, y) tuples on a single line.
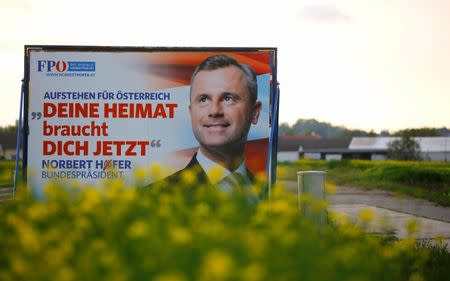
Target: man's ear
[(255, 113)]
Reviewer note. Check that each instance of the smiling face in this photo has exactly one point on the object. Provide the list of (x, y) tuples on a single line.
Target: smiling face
[(221, 109)]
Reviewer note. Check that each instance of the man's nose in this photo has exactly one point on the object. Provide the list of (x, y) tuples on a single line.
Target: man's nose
[(215, 109)]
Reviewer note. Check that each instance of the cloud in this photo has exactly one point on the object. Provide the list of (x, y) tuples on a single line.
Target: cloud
[(323, 13)]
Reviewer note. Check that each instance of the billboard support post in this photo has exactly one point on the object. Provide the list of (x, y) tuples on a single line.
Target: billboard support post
[(19, 139)]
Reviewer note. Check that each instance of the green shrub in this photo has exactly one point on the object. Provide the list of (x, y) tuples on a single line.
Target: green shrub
[(186, 232)]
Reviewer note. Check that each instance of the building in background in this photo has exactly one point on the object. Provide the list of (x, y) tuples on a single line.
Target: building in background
[(8, 143), (291, 148), (432, 148)]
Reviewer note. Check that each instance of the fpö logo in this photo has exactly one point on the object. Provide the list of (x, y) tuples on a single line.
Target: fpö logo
[(66, 68)]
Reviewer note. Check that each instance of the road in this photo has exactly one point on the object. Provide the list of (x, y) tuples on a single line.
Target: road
[(391, 211)]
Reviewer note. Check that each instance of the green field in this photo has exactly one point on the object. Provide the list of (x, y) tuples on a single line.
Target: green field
[(428, 180)]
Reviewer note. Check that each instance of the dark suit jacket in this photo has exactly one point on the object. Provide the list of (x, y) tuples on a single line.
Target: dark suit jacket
[(196, 168), (193, 166)]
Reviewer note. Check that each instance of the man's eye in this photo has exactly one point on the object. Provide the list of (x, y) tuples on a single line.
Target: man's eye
[(228, 98), (203, 99)]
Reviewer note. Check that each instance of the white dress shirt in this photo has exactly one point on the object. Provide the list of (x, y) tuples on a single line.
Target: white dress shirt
[(207, 164)]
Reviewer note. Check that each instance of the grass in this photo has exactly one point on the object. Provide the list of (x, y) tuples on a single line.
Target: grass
[(427, 180), (437, 265)]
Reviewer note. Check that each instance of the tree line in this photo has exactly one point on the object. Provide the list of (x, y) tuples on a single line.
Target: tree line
[(327, 130), (8, 129)]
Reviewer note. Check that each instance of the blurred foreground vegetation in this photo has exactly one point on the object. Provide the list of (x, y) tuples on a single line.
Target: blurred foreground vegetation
[(428, 180), (116, 232), (7, 173)]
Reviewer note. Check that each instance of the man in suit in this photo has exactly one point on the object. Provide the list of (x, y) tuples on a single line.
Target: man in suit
[(223, 105)]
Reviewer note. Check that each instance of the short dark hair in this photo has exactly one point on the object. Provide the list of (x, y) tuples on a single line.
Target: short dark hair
[(222, 61)]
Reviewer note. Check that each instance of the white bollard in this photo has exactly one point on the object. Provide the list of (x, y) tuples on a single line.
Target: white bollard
[(313, 184)]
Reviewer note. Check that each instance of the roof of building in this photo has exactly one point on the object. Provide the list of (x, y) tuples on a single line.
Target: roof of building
[(313, 145), (8, 140), (357, 144), (365, 143), (300, 137), (427, 144), (434, 144)]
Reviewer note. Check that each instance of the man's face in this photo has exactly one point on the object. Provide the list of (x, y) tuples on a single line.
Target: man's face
[(221, 108)]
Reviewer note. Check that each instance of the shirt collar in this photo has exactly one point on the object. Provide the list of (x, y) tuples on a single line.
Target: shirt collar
[(207, 164)]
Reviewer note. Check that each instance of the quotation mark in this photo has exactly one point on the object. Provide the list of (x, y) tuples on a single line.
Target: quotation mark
[(155, 143), (36, 115)]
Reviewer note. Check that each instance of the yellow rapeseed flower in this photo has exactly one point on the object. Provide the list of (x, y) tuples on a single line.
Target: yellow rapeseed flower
[(280, 207), (412, 226), (330, 188), (201, 209), (29, 238), (278, 190), (215, 173), (164, 211), (260, 177), (6, 176), (405, 245), (156, 171), (53, 257), (108, 258), (91, 199), (118, 275), (416, 277), (388, 252), (217, 265), (188, 177), (12, 219), (346, 254), (19, 266), (65, 274), (253, 272), (288, 238), (255, 243), (82, 223), (138, 229), (129, 195), (37, 212), (351, 230), (140, 174), (180, 235), (440, 240), (115, 188), (50, 188), (305, 198), (318, 206), (366, 215), (337, 218), (282, 172), (170, 276), (98, 245)]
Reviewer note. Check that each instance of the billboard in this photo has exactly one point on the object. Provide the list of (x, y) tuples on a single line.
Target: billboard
[(98, 113)]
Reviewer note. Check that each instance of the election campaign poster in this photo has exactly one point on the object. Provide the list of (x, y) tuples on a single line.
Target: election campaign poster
[(100, 113)]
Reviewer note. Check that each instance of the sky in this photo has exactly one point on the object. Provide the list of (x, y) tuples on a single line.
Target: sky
[(381, 65)]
